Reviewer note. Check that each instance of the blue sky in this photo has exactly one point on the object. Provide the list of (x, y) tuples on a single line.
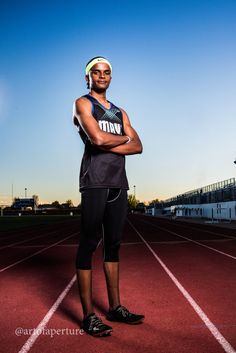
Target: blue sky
[(174, 72)]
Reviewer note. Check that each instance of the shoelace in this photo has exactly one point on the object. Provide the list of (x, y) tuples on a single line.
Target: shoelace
[(95, 321), (124, 312)]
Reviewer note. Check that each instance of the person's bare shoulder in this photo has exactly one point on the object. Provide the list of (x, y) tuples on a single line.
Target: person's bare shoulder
[(125, 116), (82, 103), (81, 106)]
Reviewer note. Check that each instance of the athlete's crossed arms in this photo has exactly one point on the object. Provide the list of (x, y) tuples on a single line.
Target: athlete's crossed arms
[(127, 144)]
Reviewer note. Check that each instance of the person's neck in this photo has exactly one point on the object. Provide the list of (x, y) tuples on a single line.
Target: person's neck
[(100, 96)]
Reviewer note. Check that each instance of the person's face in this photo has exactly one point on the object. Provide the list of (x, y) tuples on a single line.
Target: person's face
[(99, 77)]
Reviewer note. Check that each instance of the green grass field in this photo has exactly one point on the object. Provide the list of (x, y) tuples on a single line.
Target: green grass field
[(8, 223)]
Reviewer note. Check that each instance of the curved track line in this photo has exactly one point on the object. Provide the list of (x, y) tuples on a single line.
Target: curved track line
[(39, 329), (194, 226), (206, 231), (192, 241), (19, 233), (26, 240), (37, 252), (172, 242), (43, 245), (211, 327)]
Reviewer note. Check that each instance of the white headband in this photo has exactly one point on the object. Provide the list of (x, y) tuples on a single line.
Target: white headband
[(96, 61)]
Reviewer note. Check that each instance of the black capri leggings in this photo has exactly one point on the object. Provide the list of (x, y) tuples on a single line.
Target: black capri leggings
[(103, 213)]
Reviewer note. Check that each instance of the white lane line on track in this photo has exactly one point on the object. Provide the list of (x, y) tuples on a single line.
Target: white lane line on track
[(211, 327), (191, 226), (191, 240), (37, 252), (72, 245), (22, 233), (9, 236), (172, 242), (206, 231), (43, 245), (39, 329), (26, 240), (133, 243)]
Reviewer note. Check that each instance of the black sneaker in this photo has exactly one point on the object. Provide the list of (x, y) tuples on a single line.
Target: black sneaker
[(122, 314), (94, 326)]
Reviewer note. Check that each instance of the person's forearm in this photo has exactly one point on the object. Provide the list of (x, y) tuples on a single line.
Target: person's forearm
[(106, 140), (133, 147)]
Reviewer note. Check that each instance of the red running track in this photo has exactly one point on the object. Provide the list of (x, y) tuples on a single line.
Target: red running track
[(181, 276)]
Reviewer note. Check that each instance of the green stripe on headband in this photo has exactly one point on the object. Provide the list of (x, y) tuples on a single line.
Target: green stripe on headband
[(96, 61)]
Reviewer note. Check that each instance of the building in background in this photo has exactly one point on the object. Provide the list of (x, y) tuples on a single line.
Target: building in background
[(24, 204), (216, 202)]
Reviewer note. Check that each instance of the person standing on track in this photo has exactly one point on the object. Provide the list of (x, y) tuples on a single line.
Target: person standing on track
[(108, 136)]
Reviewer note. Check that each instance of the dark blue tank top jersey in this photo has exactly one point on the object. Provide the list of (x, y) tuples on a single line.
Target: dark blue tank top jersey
[(101, 169)]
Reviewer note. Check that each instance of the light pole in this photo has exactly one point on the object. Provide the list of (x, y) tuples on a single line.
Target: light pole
[(135, 191), (25, 192)]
